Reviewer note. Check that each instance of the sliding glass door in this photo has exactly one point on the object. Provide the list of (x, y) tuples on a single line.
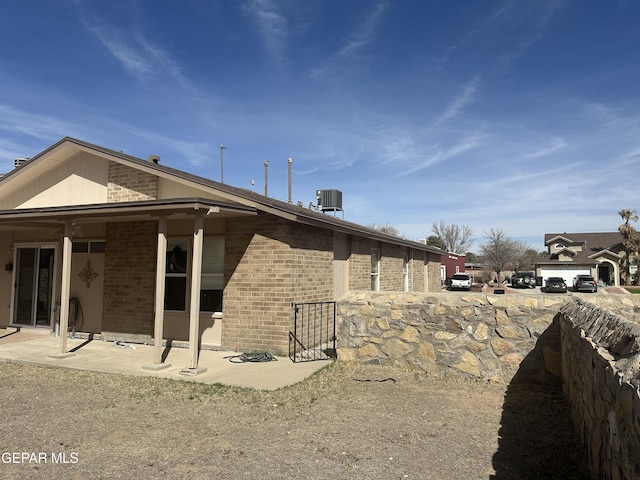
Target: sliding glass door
[(34, 281)]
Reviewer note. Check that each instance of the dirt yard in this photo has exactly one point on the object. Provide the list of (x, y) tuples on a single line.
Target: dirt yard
[(342, 423)]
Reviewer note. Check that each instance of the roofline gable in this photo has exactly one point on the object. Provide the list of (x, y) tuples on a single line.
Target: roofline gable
[(67, 147), (603, 252), (559, 238)]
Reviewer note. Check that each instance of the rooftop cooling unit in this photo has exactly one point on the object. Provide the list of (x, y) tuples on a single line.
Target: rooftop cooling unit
[(329, 200), (18, 162)]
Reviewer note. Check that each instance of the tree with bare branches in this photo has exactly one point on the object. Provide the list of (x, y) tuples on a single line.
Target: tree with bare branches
[(386, 228), (500, 251), (456, 238)]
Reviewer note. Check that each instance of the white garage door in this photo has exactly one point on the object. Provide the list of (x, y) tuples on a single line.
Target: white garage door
[(566, 272)]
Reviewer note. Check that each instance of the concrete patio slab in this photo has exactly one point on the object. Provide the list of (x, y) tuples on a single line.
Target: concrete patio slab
[(33, 347)]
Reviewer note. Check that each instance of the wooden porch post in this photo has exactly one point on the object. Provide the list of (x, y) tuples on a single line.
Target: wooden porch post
[(65, 289), (161, 268), (194, 308)]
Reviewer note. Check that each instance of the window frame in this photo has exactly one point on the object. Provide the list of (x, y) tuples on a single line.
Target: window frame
[(187, 244), (188, 248), (213, 276), (375, 272)]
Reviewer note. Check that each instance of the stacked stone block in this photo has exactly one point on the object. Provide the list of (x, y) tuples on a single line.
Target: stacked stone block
[(601, 381), (484, 336)]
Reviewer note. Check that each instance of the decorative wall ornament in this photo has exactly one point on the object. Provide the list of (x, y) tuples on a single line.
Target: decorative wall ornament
[(88, 274)]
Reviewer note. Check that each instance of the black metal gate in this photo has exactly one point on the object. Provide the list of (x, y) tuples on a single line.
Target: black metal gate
[(314, 332)]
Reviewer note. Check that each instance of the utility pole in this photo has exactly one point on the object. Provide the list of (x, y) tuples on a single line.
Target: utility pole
[(222, 147)]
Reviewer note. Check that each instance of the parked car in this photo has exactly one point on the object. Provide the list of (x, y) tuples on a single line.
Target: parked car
[(555, 284), (523, 280), (585, 283), (460, 281)]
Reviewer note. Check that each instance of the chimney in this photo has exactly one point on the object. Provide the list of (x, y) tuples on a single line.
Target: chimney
[(266, 177), (290, 162), (153, 158)]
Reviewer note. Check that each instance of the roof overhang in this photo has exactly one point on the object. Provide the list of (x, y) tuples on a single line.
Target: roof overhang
[(231, 201), (124, 211), (606, 254), (564, 240)]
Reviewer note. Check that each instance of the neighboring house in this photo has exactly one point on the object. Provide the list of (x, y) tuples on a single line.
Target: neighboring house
[(155, 253), (450, 264), (571, 254)]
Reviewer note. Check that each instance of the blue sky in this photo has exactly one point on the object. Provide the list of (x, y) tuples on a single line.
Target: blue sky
[(512, 114)]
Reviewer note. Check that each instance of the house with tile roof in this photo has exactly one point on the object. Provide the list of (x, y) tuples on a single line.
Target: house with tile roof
[(146, 253), (571, 254)]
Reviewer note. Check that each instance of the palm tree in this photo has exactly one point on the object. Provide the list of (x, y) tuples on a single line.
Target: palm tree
[(631, 243)]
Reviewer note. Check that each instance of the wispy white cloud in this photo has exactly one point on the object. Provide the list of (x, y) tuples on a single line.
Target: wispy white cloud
[(443, 154), (131, 59), (272, 26), (557, 145), (536, 21), (460, 102), (362, 35), (34, 125), (137, 54), (365, 32)]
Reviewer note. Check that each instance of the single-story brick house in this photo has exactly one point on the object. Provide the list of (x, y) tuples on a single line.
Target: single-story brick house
[(153, 253), (598, 254)]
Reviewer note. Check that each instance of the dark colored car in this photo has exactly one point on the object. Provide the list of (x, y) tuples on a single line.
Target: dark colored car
[(523, 280), (555, 284), (585, 283)]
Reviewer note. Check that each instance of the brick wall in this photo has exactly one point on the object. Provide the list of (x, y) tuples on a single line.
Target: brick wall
[(360, 263), (257, 295), (433, 272), (270, 264), (391, 263), (312, 251), (126, 184), (129, 278), (416, 270)]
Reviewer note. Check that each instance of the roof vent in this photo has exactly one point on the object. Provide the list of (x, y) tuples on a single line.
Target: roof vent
[(153, 158), (18, 162), (329, 200)]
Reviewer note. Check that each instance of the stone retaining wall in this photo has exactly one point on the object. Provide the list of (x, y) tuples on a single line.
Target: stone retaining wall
[(591, 342), (482, 335), (485, 336), (601, 378)]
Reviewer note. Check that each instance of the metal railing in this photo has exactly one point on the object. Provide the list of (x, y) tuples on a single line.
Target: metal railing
[(314, 332)]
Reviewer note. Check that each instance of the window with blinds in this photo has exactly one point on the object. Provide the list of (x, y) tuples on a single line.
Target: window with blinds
[(179, 261), (212, 280)]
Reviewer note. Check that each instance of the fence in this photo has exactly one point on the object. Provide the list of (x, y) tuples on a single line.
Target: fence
[(314, 332)]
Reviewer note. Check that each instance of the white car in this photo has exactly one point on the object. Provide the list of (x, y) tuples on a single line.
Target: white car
[(460, 281)]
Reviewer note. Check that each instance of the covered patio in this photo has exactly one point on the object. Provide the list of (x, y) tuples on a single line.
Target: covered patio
[(59, 226), (35, 347)]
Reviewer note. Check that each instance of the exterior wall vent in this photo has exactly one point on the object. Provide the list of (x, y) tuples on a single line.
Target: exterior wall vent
[(329, 200)]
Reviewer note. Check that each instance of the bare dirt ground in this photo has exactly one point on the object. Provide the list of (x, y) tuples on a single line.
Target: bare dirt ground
[(344, 422)]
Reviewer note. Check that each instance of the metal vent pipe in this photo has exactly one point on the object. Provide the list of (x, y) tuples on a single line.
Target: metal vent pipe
[(290, 162), (266, 178)]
